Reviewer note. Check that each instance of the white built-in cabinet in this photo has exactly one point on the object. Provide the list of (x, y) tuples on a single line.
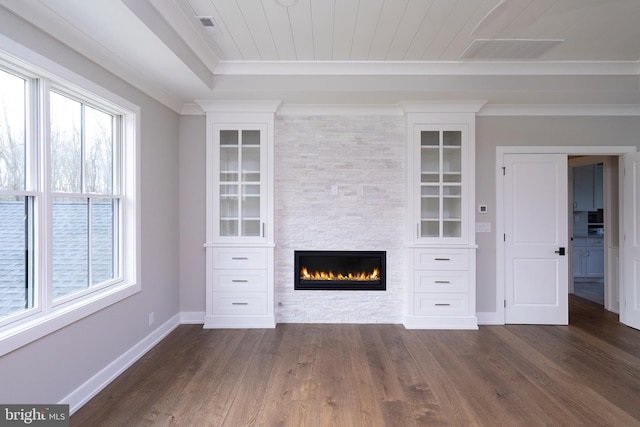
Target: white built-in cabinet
[(587, 187), (588, 257), (441, 250), (239, 219)]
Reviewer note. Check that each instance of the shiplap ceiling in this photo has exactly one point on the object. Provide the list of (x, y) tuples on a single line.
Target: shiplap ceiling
[(583, 52)]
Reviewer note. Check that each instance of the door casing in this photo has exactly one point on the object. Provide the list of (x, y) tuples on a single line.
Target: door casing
[(500, 230)]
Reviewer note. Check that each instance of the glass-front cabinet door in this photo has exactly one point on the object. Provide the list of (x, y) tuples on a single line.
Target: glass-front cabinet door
[(441, 191), (240, 183)]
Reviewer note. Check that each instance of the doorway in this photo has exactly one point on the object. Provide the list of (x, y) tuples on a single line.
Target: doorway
[(587, 195), (611, 201)]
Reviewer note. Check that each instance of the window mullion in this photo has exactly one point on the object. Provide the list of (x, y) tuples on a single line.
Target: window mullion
[(89, 242), (42, 210)]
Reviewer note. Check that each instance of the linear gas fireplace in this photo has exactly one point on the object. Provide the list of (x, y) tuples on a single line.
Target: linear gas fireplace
[(340, 270)]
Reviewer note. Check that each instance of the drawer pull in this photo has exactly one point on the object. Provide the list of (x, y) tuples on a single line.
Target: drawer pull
[(442, 281), (239, 281), (239, 303), (443, 259), (442, 305), (240, 258)]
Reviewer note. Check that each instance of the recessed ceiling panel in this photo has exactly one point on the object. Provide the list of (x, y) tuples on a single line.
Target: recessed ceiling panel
[(508, 49)]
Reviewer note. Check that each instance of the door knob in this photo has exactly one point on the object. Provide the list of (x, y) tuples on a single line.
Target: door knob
[(560, 251)]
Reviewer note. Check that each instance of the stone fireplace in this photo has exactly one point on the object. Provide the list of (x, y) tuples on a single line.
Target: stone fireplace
[(340, 184)]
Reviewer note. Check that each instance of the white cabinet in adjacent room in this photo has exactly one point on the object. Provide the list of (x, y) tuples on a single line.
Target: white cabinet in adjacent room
[(588, 187), (239, 221), (441, 250)]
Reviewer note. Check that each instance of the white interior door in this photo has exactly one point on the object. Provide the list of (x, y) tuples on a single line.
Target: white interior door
[(536, 239), (630, 272)]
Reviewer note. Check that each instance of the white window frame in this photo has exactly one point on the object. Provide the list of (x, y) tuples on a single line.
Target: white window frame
[(46, 317)]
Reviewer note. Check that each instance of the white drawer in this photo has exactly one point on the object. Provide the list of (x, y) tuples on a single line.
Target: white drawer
[(240, 258), (441, 304), (240, 280), (441, 259), (241, 303), (441, 281)]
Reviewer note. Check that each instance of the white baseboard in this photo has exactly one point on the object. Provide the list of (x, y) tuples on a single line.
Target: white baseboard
[(77, 398), (192, 317), (239, 322), (441, 322)]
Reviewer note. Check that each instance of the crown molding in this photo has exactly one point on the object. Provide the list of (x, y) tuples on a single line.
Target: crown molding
[(560, 110), (480, 108), (238, 106), (339, 110), (442, 106), (454, 68)]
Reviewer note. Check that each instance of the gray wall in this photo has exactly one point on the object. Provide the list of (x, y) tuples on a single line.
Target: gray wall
[(192, 214), (50, 368)]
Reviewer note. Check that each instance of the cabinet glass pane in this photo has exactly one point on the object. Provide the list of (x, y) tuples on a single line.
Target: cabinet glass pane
[(451, 159), (228, 137), (228, 227), (430, 208), (430, 229), (251, 137), (229, 164), (229, 210), (452, 229), (240, 178), (430, 138), (441, 163), (454, 177), (429, 159), (452, 190), (430, 190), (451, 208), (452, 138), (251, 227), (251, 202), (430, 177), (251, 160)]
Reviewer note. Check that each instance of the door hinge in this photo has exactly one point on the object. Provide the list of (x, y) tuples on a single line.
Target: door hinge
[(504, 237), (504, 170), (505, 303)]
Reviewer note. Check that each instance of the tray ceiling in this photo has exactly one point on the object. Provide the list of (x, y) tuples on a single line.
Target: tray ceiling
[(357, 51)]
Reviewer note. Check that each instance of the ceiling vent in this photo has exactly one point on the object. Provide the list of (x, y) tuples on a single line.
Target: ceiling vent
[(208, 24), (508, 49)]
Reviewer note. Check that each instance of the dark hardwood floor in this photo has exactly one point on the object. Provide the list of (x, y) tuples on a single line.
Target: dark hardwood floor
[(587, 373)]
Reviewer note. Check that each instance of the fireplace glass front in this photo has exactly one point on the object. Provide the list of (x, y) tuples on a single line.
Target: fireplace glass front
[(340, 270)]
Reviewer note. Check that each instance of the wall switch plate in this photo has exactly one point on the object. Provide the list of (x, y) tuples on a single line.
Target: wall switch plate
[(482, 209), (483, 227)]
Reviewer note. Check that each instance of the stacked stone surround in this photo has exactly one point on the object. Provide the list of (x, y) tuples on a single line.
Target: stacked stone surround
[(365, 157)]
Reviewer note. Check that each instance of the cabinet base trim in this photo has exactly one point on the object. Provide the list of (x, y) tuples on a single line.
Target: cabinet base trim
[(239, 322), (441, 322)]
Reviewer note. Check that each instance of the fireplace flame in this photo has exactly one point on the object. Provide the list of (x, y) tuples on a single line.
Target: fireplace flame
[(323, 275)]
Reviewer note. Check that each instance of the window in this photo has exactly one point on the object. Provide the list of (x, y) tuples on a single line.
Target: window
[(68, 214)]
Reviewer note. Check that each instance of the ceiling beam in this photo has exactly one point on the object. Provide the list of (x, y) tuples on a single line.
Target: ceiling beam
[(150, 17)]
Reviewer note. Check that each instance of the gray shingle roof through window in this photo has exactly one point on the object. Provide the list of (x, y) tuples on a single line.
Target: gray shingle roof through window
[(70, 250)]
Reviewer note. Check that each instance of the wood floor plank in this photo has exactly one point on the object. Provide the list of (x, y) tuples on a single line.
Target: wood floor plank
[(307, 375)]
